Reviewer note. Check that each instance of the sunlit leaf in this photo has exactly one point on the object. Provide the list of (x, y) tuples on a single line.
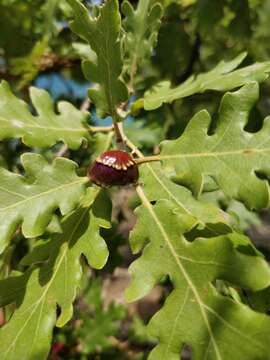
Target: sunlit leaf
[(232, 156), (102, 34), (47, 127), (158, 186), (39, 291), (222, 78), (31, 200), (195, 310)]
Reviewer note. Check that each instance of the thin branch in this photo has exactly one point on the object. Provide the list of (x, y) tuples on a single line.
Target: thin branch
[(94, 129), (62, 151), (134, 149), (141, 158), (146, 159), (85, 104), (120, 137), (49, 63)]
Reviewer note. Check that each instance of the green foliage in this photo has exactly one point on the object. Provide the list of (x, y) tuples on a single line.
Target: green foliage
[(180, 54), (98, 323), (139, 332), (144, 134), (102, 34), (69, 126), (17, 20), (244, 218), (206, 186), (236, 151), (28, 66), (55, 282), (141, 26), (30, 200), (221, 78), (192, 268), (202, 214)]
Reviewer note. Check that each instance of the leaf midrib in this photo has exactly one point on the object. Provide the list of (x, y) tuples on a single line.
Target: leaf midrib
[(82, 180), (198, 85), (37, 126), (177, 201), (202, 305), (245, 152), (148, 205), (51, 280), (168, 191)]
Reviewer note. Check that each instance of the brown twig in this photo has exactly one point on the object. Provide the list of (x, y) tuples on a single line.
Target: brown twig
[(62, 151)]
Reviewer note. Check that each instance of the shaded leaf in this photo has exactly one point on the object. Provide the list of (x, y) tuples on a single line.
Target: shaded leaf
[(102, 34), (143, 133), (28, 66), (195, 313), (244, 218), (231, 156), (209, 14), (221, 78), (101, 143), (99, 323), (141, 26), (174, 43), (47, 127), (30, 200), (40, 290), (260, 300)]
